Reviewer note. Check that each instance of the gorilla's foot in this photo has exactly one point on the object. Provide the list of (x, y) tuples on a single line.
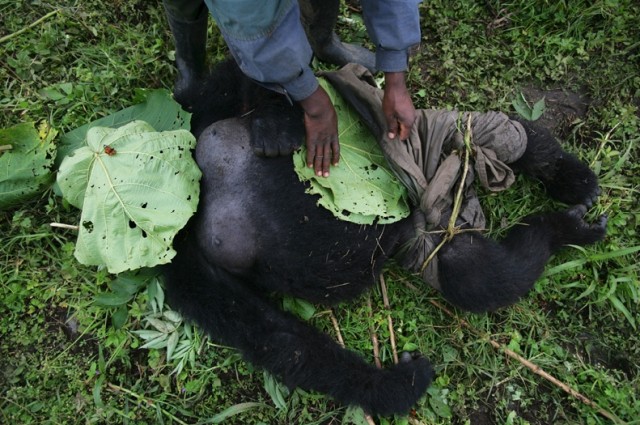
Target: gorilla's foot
[(576, 231), (336, 52), (401, 387), (573, 182)]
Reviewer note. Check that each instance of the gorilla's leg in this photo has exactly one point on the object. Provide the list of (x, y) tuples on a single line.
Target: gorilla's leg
[(563, 175), (319, 17), (233, 313), (188, 21), (479, 274)]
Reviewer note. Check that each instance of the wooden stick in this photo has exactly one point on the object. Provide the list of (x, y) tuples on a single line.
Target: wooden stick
[(28, 27), (146, 402), (334, 322), (64, 226), (531, 366), (4, 148), (374, 337), (387, 306)]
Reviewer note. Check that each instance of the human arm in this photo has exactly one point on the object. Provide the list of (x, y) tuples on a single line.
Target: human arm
[(269, 44), (394, 27)]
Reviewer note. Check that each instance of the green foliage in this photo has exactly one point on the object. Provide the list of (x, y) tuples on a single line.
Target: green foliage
[(155, 107), (63, 361), (26, 159), (527, 111), (129, 219), (361, 189)]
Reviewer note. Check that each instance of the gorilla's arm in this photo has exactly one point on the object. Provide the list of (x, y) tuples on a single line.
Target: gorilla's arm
[(565, 178), (480, 274), (233, 313)]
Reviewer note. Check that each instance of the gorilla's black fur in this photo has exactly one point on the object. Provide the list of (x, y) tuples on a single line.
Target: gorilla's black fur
[(257, 233)]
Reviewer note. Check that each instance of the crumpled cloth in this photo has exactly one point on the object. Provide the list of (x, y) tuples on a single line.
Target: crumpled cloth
[(429, 163)]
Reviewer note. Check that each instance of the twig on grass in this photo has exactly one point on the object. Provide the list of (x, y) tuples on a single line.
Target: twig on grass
[(374, 337), (28, 27), (146, 401), (64, 226), (4, 148), (531, 366), (336, 327), (387, 306)]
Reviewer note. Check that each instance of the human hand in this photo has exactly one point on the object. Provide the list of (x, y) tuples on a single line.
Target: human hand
[(397, 106), (321, 126)]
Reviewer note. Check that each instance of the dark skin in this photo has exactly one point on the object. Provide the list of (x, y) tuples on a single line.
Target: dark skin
[(321, 121)]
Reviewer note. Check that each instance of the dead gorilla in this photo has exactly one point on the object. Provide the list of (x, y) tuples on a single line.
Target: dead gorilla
[(256, 233)]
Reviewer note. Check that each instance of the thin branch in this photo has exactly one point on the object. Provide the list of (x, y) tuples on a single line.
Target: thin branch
[(28, 27), (374, 337), (64, 226), (387, 306), (146, 401), (4, 148), (336, 327), (531, 366)]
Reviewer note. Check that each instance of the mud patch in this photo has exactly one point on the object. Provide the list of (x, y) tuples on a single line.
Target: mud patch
[(563, 107)]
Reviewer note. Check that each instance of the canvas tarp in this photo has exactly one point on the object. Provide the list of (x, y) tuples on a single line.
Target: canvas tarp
[(429, 163)]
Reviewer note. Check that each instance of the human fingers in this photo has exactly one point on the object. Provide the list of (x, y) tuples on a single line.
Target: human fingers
[(392, 126), (322, 161)]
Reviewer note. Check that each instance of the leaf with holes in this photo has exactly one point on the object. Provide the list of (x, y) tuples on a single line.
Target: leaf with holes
[(137, 188), (361, 189), (26, 159), (158, 108)]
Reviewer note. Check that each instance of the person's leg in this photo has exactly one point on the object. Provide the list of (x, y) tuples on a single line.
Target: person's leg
[(319, 18), (188, 21)]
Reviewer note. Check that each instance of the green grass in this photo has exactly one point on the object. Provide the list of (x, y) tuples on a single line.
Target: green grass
[(66, 359)]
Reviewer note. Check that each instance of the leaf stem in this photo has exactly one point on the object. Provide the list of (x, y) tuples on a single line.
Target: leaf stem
[(28, 27), (64, 226)]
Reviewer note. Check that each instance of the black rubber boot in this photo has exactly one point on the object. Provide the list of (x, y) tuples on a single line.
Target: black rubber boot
[(319, 17), (190, 38)]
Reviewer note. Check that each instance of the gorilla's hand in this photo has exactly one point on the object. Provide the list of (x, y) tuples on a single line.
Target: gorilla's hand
[(276, 129), (571, 227)]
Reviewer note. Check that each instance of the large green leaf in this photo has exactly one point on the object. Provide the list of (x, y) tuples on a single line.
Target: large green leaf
[(361, 189), (136, 187), (158, 109), (25, 162)]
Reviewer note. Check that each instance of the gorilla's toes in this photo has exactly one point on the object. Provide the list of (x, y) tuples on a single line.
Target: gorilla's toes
[(602, 222), (577, 212), (402, 387), (599, 228), (592, 197), (406, 357), (577, 231)]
